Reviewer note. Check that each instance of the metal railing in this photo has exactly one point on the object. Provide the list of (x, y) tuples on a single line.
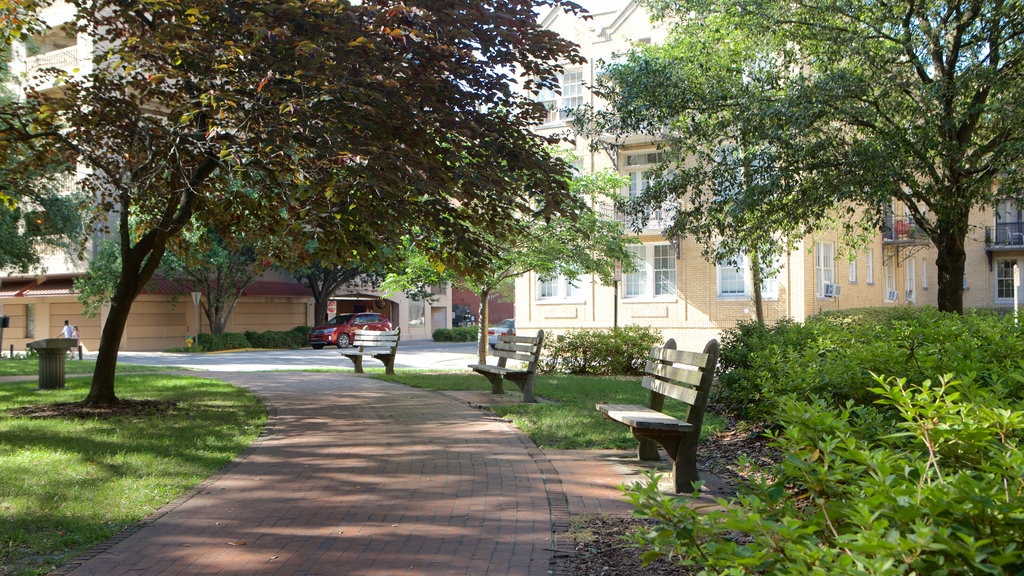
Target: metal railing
[(65, 59), (901, 228), (1005, 234), (657, 217)]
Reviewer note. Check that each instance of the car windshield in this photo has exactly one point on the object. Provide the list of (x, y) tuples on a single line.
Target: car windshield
[(342, 319), (506, 323)]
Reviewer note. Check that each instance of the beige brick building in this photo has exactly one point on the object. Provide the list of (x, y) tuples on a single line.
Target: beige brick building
[(687, 298)]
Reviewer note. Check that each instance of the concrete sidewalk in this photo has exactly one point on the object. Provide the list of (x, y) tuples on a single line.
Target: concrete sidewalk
[(357, 476)]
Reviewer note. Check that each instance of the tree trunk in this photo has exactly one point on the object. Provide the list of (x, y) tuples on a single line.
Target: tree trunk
[(757, 279), (484, 316), (951, 262)]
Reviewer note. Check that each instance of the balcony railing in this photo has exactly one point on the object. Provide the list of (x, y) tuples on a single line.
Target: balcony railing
[(65, 59), (658, 217), (1005, 234), (901, 229)]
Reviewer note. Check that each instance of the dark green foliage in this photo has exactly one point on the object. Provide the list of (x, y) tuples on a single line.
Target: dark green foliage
[(834, 356), (460, 334), (271, 339), (620, 351), (939, 492)]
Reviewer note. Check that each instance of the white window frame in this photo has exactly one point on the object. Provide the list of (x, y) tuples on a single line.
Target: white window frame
[(824, 267), (910, 280), (1004, 265), (734, 272), (869, 275), (572, 92), (559, 289), (924, 273), (853, 271), (655, 277), (730, 270), (889, 281)]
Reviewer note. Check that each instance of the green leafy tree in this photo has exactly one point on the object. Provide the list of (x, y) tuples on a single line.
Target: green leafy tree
[(324, 280), (852, 104), (351, 124), (588, 243), (220, 272)]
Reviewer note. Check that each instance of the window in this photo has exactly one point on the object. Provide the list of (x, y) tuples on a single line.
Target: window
[(558, 288), (572, 91), (567, 97), (732, 278), (924, 274), (416, 313), (910, 280), (656, 272), (889, 282), (735, 279), (1005, 279), (824, 267), (853, 270), (869, 275)]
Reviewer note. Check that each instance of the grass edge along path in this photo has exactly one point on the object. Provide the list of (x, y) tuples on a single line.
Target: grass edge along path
[(565, 418), (67, 483)]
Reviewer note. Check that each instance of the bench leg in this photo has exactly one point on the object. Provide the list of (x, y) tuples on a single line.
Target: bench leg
[(526, 386), (647, 450), (496, 385), (357, 362), (389, 362), (682, 451)]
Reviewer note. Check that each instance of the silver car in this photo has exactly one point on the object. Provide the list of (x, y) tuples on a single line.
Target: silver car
[(504, 327)]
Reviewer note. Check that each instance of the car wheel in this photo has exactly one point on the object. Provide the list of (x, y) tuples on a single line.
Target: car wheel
[(317, 346), (343, 341)]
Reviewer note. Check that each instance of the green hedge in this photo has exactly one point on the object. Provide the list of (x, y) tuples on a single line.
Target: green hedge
[(460, 334), (270, 339), (834, 356), (620, 351)]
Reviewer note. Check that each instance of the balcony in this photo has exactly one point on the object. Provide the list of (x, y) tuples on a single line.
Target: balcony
[(658, 218), (902, 230), (1006, 234), (64, 59)]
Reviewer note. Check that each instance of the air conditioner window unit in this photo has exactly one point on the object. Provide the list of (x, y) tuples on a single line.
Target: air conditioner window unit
[(892, 295), (910, 294), (830, 290)]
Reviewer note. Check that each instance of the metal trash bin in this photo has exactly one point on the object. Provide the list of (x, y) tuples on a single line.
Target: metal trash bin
[(52, 354)]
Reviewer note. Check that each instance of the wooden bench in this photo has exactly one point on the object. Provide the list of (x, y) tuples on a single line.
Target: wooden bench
[(380, 344), (684, 376), (522, 348)]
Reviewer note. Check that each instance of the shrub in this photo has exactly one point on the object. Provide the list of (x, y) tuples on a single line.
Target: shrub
[(834, 356), (225, 341), (460, 334), (620, 351), (941, 493)]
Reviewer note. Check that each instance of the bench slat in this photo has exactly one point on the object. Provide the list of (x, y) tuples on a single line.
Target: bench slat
[(696, 359), (684, 376), (681, 393), (643, 418)]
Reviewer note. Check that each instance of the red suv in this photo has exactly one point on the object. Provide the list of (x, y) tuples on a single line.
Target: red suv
[(342, 328)]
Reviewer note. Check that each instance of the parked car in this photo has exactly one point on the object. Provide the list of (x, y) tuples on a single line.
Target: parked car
[(341, 329), (504, 327)]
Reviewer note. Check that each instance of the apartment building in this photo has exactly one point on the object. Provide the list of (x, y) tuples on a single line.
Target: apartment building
[(685, 297), (165, 314)]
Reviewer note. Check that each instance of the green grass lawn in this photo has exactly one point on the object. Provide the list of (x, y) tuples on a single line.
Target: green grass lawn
[(567, 419), (30, 367), (69, 483)]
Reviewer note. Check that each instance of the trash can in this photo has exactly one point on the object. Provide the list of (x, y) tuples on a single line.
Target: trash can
[(52, 353)]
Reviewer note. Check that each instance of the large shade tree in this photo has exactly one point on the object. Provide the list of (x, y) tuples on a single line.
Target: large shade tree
[(855, 104), (351, 124)]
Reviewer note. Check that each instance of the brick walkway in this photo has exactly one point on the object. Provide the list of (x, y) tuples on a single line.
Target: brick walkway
[(356, 476)]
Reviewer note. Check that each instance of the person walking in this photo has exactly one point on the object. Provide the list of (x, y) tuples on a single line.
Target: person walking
[(68, 332), (78, 342)]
